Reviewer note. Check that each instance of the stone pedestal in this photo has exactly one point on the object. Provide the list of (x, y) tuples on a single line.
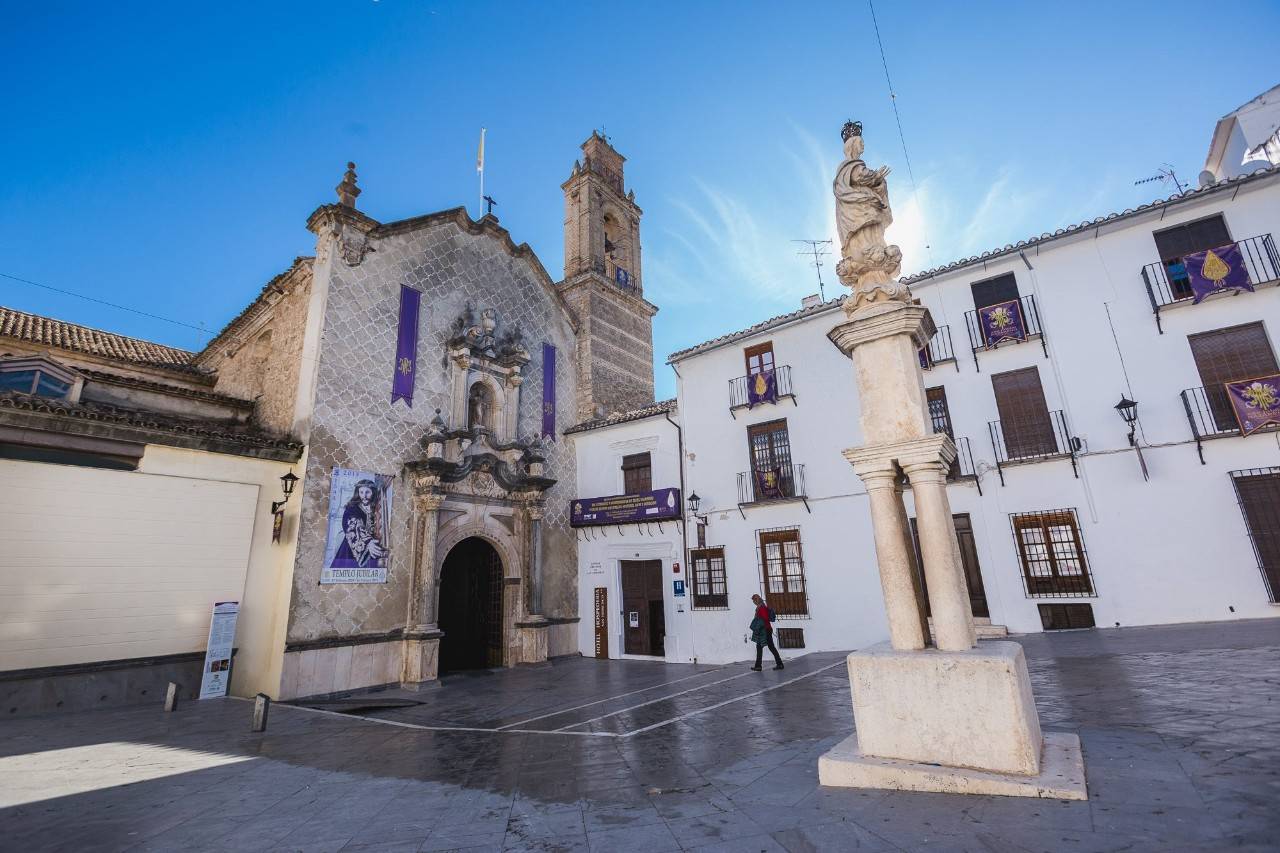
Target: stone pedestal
[(421, 660), (532, 634)]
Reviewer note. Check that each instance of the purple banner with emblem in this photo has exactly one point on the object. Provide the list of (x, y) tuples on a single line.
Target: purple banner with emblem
[(406, 365), (762, 387), (1256, 402), (1002, 322), (660, 505), (769, 483), (549, 391), (1215, 270)]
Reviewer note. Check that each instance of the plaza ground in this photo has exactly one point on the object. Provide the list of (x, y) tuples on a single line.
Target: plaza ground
[(1180, 727)]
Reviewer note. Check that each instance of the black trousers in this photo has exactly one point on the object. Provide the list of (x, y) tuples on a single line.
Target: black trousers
[(760, 650)]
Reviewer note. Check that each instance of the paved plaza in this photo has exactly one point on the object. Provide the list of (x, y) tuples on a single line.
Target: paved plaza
[(1180, 728)]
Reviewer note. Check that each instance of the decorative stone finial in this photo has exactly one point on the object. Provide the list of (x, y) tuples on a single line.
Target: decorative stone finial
[(347, 190), (867, 264), (851, 128)]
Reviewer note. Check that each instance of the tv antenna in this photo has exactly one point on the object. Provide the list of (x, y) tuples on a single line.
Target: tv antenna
[(817, 250), (1163, 174)]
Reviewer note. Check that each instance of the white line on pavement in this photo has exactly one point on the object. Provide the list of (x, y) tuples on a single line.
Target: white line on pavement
[(652, 702), (435, 728)]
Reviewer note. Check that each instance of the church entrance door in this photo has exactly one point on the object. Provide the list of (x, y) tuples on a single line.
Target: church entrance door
[(470, 614)]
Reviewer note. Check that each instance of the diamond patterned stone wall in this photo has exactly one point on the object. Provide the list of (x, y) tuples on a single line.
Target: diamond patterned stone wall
[(355, 426)]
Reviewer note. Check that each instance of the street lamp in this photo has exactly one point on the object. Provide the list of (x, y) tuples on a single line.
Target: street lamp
[(694, 503), (1128, 410), (287, 482)]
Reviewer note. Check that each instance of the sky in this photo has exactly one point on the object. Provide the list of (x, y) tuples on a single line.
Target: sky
[(165, 157)]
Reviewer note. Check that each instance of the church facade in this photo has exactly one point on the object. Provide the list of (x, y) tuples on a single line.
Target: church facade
[(418, 376)]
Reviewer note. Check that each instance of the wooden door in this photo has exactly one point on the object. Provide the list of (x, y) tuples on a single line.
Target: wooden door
[(1260, 502), (1024, 415), (969, 561), (643, 618), (759, 358), (770, 446), (1229, 355)]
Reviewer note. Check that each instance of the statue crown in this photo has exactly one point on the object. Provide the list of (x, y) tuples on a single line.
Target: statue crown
[(851, 128)]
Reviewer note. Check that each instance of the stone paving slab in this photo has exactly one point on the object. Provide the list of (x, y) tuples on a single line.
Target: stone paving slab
[(1180, 728)]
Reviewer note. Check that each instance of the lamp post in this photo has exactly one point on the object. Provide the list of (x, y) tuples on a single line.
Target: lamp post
[(287, 482), (1128, 410), (694, 503)]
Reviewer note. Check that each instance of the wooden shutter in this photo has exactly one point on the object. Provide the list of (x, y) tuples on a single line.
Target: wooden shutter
[(1052, 553), (759, 358), (1229, 355), (1024, 415), (1260, 503), (1209, 233), (782, 562), (999, 289), (637, 473)]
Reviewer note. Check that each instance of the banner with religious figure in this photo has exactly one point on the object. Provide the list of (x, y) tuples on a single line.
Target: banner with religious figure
[(406, 346), (769, 483), (762, 387), (1256, 402), (358, 548), (1002, 322), (1215, 270), (549, 391)]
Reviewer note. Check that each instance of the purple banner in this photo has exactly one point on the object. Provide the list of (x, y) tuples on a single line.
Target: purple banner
[(406, 365), (1215, 270), (661, 505), (925, 363), (1002, 322), (1256, 402), (549, 391), (762, 387), (769, 483)]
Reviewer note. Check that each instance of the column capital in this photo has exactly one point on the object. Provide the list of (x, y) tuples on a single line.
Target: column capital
[(428, 502), (882, 321)]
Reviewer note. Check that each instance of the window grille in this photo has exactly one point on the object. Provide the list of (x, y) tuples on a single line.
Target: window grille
[(1258, 491), (781, 560), (1062, 617), (710, 581), (1054, 562), (790, 638)]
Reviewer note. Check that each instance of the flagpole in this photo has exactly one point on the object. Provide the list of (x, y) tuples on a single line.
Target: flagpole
[(480, 168)]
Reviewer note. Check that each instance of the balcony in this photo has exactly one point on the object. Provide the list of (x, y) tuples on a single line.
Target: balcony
[(779, 483), (1261, 261), (1031, 328), (740, 398), (1036, 439), (1210, 415), (939, 350), (963, 468)]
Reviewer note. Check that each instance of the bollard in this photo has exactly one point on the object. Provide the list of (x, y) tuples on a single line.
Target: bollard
[(171, 698), (261, 705)]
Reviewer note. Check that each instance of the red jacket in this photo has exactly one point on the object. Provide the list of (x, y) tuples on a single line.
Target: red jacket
[(763, 613)]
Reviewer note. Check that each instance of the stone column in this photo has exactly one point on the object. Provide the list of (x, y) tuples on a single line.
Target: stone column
[(943, 570), (898, 579), (422, 636), (535, 559)]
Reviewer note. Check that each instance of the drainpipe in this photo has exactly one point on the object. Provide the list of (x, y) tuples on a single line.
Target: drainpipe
[(684, 524)]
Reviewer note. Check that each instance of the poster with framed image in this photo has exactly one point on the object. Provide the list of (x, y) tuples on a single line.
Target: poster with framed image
[(358, 547)]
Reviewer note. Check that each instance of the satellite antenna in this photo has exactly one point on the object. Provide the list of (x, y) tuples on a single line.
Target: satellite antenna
[(1164, 174), (817, 250), (1207, 178)]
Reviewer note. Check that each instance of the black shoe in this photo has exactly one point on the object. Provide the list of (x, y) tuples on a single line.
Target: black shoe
[(779, 666), (755, 669)]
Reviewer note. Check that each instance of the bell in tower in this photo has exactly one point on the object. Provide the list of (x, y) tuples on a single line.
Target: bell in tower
[(604, 285)]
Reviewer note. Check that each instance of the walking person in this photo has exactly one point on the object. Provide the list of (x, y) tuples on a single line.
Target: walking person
[(762, 632)]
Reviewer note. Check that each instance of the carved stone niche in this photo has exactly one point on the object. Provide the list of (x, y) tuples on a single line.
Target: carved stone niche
[(485, 365)]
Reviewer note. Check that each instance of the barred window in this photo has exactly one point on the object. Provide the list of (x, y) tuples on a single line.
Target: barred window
[(710, 583), (782, 563), (637, 473), (1052, 553)]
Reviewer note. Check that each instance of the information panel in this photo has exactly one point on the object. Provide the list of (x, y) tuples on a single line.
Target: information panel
[(661, 505), (217, 657)]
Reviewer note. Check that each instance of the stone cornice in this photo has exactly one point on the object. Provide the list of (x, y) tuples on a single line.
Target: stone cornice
[(161, 388), (599, 284)]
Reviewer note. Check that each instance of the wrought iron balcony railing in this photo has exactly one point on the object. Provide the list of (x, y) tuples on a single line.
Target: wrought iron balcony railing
[(1034, 439), (1031, 328), (777, 483), (739, 389), (1210, 415), (939, 350), (963, 468), (1261, 261)]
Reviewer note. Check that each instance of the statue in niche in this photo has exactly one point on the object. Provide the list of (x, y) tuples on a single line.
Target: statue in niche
[(867, 264), (480, 408)]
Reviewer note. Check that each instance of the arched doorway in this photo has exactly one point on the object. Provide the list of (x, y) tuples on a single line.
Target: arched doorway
[(470, 613)]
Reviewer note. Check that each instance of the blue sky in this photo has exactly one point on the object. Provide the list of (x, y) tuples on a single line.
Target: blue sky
[(166, 158)]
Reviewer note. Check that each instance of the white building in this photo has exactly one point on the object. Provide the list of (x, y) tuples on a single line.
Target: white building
[(1247, 138), (1058, 524)]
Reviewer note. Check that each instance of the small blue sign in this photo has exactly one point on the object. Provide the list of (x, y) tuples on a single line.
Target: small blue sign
[(678, 587)]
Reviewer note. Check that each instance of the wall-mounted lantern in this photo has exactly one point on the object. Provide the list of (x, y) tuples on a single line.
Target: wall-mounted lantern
[(287, 482), (694, 503), (1128, 410)]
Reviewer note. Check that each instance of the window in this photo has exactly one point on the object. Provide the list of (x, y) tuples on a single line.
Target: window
[(791, 638), (1229, 355), (1063, 617), (759, 358), (1181, 240), (770, 448), (782, 564), (1258, 491), (35, 376), (940, 417), (999, 289), (637, 473), (1024, 415), (1052, 553), (710, 584)]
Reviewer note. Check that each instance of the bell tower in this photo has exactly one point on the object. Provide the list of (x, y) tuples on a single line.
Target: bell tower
[(604, 285)]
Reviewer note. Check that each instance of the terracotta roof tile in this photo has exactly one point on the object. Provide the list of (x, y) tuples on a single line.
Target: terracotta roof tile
[(657, 408), (56, 333)]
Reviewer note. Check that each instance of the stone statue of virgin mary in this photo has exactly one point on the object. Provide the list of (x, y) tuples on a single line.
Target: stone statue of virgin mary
[(867, 265)]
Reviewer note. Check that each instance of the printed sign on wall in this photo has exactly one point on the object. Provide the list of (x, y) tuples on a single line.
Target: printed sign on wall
[(217, 656), (358, 548)]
